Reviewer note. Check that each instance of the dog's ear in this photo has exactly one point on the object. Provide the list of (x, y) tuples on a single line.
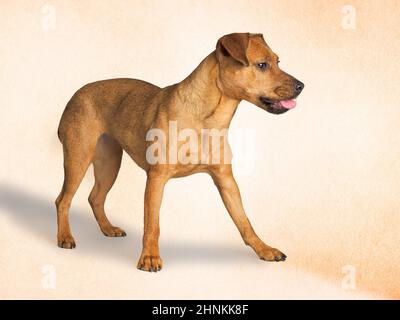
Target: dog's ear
[(234, 45)]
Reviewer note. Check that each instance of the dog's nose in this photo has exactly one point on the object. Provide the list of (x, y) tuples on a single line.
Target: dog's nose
[(298, 86)]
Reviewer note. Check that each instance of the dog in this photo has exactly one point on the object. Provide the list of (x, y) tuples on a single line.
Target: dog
[(106, 117)]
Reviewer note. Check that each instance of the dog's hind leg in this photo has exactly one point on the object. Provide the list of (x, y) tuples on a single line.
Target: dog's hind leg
[(106, 164), (79, 145)]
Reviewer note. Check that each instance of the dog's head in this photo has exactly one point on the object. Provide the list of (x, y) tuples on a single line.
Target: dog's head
[(249, 70)]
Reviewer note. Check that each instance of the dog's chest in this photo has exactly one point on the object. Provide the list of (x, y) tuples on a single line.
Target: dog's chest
[(196, 146)]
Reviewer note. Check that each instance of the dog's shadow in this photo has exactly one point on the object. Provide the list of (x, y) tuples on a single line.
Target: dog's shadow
[(37, 215)]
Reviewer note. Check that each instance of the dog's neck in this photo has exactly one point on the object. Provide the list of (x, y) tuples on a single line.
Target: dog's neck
[(200, 96)]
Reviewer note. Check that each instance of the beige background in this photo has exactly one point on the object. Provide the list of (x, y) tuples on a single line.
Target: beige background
[(324, 187)]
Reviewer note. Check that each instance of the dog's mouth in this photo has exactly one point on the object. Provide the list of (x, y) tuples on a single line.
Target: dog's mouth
[(278, 106)]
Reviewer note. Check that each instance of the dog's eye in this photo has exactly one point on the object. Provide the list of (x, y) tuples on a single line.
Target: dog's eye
[(262, 65)]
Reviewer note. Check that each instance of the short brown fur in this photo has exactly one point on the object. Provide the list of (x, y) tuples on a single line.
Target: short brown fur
[(106, 117)]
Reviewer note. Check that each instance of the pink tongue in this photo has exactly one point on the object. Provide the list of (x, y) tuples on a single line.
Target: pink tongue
[(288, 104)]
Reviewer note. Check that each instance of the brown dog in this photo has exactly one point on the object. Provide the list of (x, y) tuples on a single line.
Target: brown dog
[(106, 117)]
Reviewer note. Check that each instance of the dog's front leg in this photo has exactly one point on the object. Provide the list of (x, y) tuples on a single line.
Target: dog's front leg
[(226, 184), (150, 258)]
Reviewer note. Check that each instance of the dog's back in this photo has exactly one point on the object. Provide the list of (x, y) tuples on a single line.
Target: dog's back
[(97, 102)]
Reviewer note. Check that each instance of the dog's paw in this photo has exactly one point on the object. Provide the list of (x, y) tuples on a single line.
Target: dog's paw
[(113, 232), (271, 254), (66, 242), (150, 263)]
